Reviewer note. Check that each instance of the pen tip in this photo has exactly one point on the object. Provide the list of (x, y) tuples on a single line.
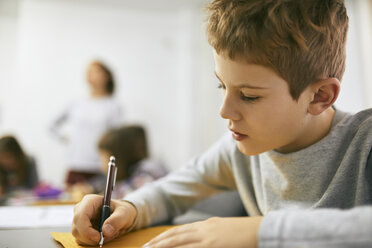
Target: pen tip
[(101, 240)]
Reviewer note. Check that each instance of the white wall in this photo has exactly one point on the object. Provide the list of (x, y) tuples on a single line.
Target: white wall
[(8, 42), (354, 93), (162, 63)]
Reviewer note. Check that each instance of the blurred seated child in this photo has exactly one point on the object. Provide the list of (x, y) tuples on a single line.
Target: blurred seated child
[(17, 170), (134, 167)]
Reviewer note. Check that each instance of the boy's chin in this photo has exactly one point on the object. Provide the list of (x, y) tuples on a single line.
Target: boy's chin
[(249, 151)]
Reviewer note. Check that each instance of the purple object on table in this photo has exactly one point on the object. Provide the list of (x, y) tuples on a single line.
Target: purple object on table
[(45, 191)]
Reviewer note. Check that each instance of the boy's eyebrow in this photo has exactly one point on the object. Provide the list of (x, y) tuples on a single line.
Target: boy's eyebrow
[(242, 85)]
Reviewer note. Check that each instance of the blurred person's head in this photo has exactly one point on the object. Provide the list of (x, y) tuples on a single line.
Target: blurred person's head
[(13, 160), (129, 146), (100, 78)]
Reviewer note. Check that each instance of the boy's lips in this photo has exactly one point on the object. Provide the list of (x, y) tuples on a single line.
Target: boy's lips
[(238, 136)]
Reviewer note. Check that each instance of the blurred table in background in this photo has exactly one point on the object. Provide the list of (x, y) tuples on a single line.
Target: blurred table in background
[(35, 237), (31, 198), (29, 217)]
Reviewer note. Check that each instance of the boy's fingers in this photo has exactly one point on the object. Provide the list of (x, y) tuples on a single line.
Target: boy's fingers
[(120, 220), (89, 205), (174, 232), (87, 213), (115, 223), (83, 225), (175, 239), (84, 214), (90, 237)]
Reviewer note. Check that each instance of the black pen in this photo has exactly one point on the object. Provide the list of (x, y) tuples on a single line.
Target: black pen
[(110, 183)]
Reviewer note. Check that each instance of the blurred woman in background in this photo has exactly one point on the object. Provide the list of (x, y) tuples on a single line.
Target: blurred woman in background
[(87, 120), (17, 170)]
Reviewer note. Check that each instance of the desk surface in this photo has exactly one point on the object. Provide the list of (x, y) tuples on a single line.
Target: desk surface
[(42, 238), (39, 237)]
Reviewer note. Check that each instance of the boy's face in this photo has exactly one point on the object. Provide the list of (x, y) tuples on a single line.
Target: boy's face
[(259, 108)]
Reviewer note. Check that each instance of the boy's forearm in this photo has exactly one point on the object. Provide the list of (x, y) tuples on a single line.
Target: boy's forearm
[(317, 228), (150, 205), (171, 196)]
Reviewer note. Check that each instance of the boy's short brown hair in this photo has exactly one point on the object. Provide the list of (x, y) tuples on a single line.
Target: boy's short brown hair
[(301, 40)]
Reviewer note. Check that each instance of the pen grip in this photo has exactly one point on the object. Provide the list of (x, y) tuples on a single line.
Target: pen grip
[(104, 215)]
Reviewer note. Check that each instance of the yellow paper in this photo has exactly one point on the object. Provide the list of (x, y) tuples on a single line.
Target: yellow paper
[(134, 239)]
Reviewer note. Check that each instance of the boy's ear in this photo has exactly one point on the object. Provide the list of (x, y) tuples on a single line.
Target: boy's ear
[(325, 93)]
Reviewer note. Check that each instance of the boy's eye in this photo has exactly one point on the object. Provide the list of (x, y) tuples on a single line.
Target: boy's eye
[(242, 96), (249, 98)]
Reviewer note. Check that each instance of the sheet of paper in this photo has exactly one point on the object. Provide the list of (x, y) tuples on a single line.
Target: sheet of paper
[(131, 240), (34, 217)]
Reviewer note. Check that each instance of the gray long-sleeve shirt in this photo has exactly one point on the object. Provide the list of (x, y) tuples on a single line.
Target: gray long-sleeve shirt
[(334, 173)]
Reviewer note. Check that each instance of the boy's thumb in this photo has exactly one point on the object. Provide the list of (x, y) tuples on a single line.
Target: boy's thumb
[(108, 230), (115, 223)]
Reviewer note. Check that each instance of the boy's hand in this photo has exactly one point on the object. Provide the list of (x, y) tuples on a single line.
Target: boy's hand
[(214, 232), (86, 220)]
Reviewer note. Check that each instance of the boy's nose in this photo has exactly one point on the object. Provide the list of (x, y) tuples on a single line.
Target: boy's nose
[(228, 109)]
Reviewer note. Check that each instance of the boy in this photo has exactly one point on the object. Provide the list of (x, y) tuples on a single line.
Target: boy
[(279, 64)]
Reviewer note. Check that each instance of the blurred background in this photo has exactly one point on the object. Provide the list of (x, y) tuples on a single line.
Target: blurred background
[(161, 60)]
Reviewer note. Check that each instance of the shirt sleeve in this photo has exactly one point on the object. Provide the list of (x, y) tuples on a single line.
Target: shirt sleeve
[(58, 122), (317, 228), (172, 195)]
